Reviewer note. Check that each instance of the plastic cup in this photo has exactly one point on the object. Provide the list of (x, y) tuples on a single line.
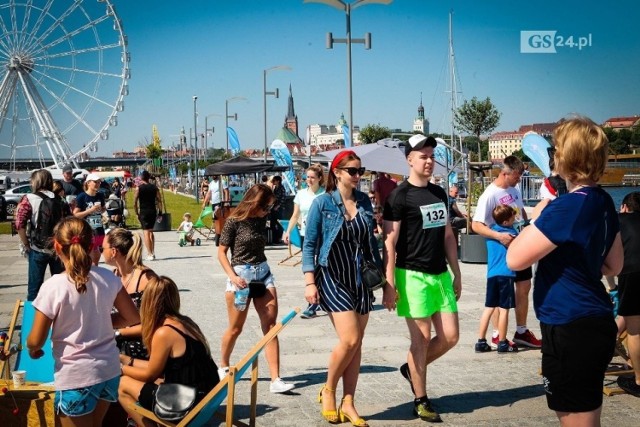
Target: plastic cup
[(19, 378)]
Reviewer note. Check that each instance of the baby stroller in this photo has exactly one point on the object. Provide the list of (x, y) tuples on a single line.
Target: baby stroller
[(115, 212)]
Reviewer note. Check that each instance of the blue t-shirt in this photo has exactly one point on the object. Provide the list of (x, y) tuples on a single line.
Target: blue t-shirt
[(497, 254), (84, 202), (583, 225)]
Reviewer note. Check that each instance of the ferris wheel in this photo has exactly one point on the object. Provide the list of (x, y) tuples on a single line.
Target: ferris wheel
[(64, 70)]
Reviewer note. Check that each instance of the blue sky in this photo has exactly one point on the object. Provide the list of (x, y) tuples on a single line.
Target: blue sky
[(218, 49)]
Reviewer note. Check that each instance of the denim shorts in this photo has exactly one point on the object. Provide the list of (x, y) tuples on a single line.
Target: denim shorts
[(82, 401), (260, 272)]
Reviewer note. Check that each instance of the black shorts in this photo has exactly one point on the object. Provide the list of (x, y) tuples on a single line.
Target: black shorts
[(572, 376), (525, 274), (629, 293), (500, 292), (147, 395), (147, 219)]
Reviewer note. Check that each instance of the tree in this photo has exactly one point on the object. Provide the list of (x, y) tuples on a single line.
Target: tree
[(373, 133), (477, 118), (154, 152)]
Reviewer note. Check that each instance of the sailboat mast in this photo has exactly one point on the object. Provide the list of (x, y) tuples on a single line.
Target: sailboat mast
[(454, 90)]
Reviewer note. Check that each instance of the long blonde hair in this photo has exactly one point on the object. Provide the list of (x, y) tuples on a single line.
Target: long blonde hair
[(256, 198), (74, 238), (128, 244), (161, 301)]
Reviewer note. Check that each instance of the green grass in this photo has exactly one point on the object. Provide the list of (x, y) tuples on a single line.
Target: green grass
[(177, 205)]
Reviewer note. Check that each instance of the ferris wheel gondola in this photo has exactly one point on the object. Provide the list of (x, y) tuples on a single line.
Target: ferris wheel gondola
[(66, 72)]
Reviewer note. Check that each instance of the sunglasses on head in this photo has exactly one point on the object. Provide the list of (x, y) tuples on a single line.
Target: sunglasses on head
[(354, 171)]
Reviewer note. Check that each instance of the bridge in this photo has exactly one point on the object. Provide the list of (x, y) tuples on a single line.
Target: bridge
[(30, 164)]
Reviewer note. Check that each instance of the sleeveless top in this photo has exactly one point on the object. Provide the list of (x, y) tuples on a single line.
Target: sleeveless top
[(147, 197), (194, 368)]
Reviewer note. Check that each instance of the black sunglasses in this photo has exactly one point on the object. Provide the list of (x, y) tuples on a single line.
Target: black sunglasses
[(354, 171), (551, 151), (268, 207)]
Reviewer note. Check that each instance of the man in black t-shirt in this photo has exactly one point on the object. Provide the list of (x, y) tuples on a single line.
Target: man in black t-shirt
[(148, 205), (71, 186), (418, 244)]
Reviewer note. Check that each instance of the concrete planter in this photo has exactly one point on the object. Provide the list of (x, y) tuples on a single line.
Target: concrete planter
[(473, 248)]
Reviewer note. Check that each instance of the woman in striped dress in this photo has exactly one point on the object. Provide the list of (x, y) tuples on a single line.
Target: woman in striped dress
[(339, 236)]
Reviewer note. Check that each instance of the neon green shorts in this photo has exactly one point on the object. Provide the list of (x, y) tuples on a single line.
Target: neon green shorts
[(421, 295)]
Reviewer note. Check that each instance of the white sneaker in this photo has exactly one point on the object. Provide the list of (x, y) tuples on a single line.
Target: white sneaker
[(150, 258), (279, 386), (222, 372)]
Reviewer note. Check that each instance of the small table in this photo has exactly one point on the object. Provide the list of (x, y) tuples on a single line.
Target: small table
[(34, 402)]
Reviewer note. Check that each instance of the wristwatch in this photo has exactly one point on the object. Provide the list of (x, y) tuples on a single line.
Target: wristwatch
[(116, 333)]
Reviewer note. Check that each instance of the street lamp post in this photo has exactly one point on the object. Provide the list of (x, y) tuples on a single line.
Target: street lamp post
[(265, 93), (195, 143), (206, 132), (227, 116), (347, 7)]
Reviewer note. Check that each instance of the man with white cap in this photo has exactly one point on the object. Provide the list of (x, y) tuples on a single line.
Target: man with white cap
[(419, 242)]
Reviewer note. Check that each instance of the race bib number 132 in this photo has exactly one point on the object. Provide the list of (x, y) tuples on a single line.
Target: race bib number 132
[(434, 215)]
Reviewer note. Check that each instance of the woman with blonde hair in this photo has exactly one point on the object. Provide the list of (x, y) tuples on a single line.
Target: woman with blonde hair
[(178, 351), (575, 240), (339, 237), (301, 205), (122, 249), (244, 234), (77, 304)]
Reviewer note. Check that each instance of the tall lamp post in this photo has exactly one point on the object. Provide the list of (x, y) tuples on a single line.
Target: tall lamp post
[(347, 7), (227, 116), (265, 93), (206, 132), (195, 140)]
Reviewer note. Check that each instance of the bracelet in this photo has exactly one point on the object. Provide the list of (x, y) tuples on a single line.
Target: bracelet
[(130, 362), (309, 284)]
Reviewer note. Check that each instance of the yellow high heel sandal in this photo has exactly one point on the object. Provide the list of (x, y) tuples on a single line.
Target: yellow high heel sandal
[(330, 415), (358, 422)]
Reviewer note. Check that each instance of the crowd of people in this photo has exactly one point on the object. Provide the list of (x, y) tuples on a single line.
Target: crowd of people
[(126, 319)]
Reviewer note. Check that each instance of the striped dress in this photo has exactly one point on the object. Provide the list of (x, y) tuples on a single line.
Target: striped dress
[(340, 287)]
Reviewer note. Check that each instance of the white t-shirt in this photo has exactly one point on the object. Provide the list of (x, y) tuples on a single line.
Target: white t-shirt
[(214, 190), (303, 199), (494, 196), (186, 226), (84, 348)]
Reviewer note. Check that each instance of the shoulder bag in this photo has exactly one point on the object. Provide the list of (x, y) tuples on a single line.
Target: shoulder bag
[(172, 402)]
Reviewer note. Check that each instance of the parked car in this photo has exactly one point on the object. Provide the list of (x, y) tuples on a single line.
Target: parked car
[(13, 196)]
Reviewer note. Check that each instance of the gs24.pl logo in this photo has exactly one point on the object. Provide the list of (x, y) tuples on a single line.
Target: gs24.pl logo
[(550, 42)]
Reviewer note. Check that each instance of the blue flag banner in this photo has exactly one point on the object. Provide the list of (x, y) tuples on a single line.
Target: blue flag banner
[(535, 147), (453, 178), (443, 156), (234, 142), (346, 134), (282, 157)]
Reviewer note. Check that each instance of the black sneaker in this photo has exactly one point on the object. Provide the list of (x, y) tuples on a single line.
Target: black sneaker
[(424, 410), (506, 346), (628, 384), (482, 346), (404, 370)]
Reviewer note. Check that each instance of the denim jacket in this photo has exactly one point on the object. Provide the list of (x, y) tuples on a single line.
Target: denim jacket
[(324, 221)]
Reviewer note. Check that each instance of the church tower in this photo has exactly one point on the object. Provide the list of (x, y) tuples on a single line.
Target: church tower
[(420, 123), (291, 121)]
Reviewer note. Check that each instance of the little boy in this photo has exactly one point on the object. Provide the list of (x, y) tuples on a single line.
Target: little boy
[(186, 227), (500, 283)]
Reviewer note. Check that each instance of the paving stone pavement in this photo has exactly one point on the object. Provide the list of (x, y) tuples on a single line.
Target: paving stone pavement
[(468, 389)]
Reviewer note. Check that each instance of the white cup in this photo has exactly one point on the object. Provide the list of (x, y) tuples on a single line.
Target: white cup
[(19, 378)]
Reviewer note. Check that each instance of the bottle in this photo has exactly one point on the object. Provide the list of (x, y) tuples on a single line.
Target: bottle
[(242, 295)]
